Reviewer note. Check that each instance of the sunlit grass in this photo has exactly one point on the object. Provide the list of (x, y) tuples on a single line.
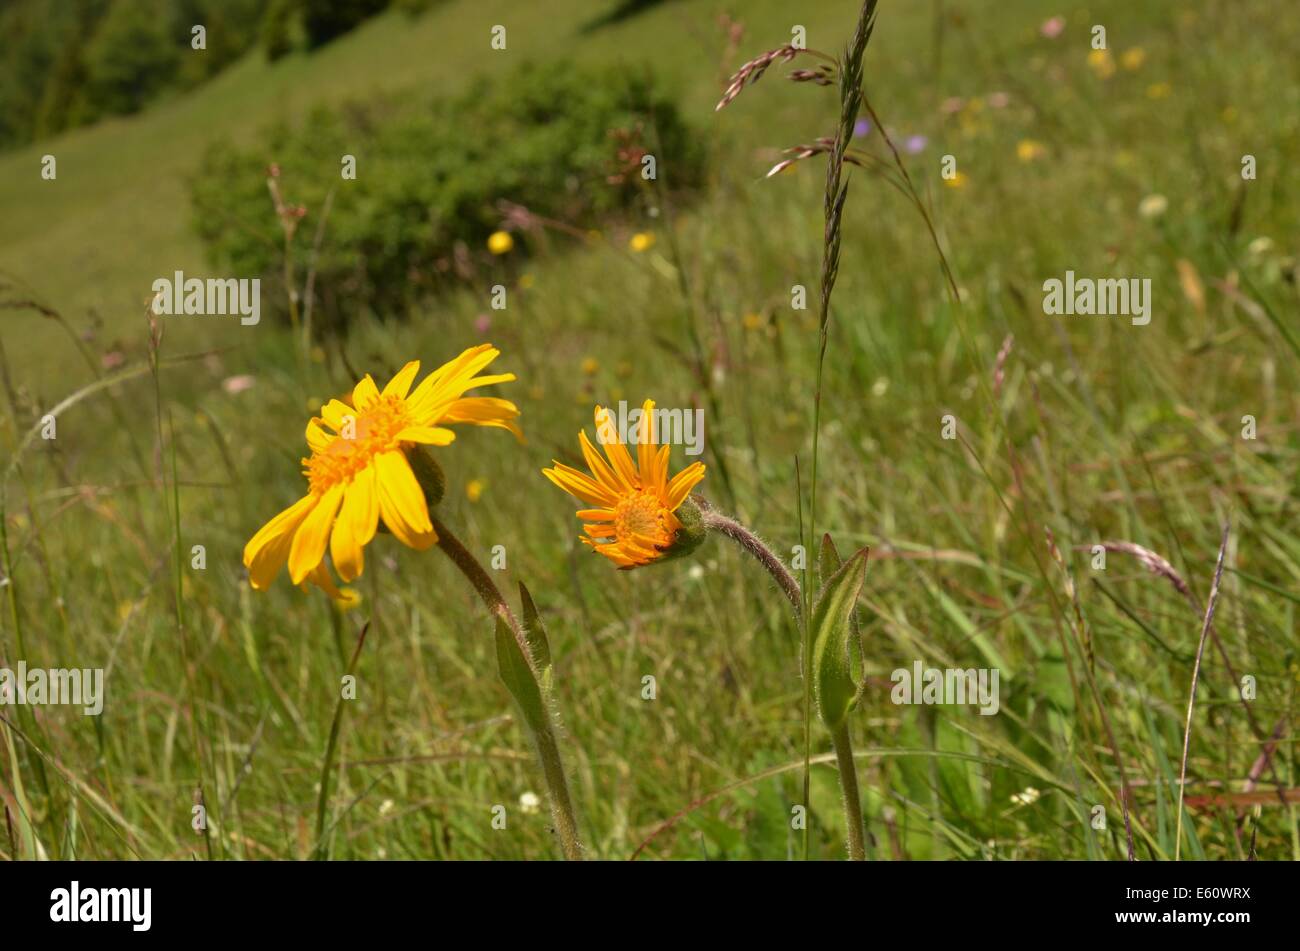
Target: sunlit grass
[(1105, 431)]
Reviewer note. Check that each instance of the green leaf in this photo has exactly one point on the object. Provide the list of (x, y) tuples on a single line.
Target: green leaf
[(831, 625), (535, 635), (828, 559), (517, 674)]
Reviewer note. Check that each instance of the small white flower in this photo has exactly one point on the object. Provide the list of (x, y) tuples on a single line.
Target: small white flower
[(1026, 797), (1260, 246), (529, 803), (1153, 206)]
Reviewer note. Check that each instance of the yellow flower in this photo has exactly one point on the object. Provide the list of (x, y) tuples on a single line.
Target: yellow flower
[(1102, 63), (359, 473), (633, 522), (1159, 91), (500, 242), (641, 241), (1027, 150), (590, 365), (474, 489), (958, 180), (1132, 59), (752, 321)]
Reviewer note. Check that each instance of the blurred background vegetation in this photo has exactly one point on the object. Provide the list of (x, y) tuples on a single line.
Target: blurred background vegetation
[(1126, 164)]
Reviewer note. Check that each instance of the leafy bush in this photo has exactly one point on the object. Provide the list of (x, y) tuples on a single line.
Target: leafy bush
[(562, 142), (323, 20), (64, 63)]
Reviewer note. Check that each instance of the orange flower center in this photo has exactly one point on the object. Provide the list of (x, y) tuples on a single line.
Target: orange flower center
[(361, 437), (641, 514)]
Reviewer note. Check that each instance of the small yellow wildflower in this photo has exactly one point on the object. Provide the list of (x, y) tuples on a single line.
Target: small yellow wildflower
[(1159, 91), (590, 365), (753, 321), (1133, 58), (1028, 150), (641, 241), (958, 180), (1102, 63), (474, 489), (500, 242)]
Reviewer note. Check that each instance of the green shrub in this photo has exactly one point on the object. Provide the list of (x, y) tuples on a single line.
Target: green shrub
[(323, 20), (559, 141)]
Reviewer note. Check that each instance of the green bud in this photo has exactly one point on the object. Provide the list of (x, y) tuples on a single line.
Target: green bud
[(690, 536), (428, 473), (832, 620)]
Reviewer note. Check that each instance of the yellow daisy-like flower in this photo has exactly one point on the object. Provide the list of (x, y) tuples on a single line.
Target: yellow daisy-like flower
[(500, 242), (358, 471), (633, 522)]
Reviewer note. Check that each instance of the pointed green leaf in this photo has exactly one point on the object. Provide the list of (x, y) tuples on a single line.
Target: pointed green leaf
[(831, 623), (828, 559), (535, 635), (517, 674)]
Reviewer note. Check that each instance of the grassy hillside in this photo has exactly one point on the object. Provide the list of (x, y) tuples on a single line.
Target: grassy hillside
[(1088, 427)]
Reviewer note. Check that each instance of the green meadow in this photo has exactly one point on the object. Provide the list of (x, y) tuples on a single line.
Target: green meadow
[(1067, 433)]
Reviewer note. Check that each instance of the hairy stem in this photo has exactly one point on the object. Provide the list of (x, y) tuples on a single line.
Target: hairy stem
[(849, 787), (548, 751), (761, 553)]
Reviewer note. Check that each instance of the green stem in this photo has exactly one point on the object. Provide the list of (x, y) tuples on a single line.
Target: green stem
[(849, 787), (548, 751)]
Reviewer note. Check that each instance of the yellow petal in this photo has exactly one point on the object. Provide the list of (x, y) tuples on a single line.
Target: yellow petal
[(361, 507), (682, 484), (355, 525), (365, 393), (266, 551), (580, 486), (400, 384), (600, 469), (401, 501), (482, 411), (645, 443), (317, 439), (427, 435), (336, 413), (615, 451), (309, 541)]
